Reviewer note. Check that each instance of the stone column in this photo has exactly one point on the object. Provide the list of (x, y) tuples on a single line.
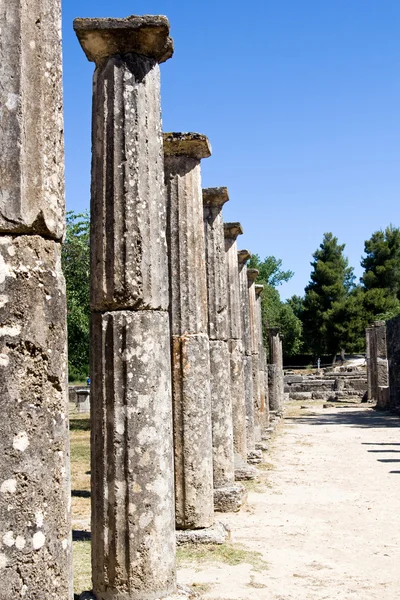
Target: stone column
[(263, 360), (252, 275), (35, 553), (228, 496), (189, 325), (275, 371), (133, 533), (235, 342), (243, 257), (377, 365), (393, 351)]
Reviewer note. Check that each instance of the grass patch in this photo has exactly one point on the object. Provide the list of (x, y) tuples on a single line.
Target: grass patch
[(79, 423), (229, 554), (253, 485), (80, 469), (82, 567), (266, 466)]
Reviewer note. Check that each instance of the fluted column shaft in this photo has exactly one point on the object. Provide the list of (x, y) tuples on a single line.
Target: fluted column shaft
[(252, 275), (190, 343), (235, 337), (35, 553), (133, 534), (243, 256), (263, 360), (221, 404), (275, 370), (377, 365)]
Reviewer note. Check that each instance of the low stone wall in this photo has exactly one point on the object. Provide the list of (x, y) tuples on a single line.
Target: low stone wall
[(328, 386)]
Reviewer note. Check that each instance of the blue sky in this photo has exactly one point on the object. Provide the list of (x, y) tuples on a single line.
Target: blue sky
[(300, 100)]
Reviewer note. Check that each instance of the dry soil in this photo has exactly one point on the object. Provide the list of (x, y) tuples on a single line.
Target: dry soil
[(325, 517)]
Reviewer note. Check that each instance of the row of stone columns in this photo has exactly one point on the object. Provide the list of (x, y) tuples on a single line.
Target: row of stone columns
[(177, 362)]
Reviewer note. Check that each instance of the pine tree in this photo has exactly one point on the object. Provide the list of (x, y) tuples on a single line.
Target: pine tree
[(326, 296)]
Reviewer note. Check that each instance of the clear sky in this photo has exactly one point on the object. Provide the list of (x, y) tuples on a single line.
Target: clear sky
[(300, 100)]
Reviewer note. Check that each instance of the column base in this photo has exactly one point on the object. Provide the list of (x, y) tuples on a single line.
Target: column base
[(262, 446), (243, 471), (230, 498), (216, 534), (254, 457)]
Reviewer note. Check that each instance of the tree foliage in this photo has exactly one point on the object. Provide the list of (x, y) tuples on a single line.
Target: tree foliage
[(382, 261), (327, 302), (276, 313), (76, 266)]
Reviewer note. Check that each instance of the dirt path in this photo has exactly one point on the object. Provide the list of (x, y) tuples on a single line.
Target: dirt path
[(326, 518)]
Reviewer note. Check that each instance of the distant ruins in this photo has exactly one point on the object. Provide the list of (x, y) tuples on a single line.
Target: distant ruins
[(180, 380)]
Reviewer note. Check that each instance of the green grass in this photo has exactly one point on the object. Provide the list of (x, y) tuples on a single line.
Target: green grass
[(77, 423), (82, 567), (253, 485), (230, 554)]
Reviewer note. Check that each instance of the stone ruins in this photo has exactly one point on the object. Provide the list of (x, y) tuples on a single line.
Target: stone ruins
[(184, 393), (179, 376)]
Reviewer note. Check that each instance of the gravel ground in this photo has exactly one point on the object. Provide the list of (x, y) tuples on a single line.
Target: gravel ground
[(325, 516)]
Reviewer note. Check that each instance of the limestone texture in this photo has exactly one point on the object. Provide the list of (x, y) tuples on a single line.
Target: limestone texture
[(192, 431), (133, 513), (230, 498), (255, 335), (35, 555), (377, 365), (146, 35), (185, 232), (132, 467), (216, 534), (129, 250), (231, 232), (238, 398), (221, 413), (243, 257), (217, 293), (193, 444), (275, 371), (31, 119)]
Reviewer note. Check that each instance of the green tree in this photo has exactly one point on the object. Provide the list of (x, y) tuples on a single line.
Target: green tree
[(76, 266), (382, 261), (276, 313), (326, 297)]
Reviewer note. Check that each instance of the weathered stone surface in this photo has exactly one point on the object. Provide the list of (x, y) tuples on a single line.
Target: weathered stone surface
[(377, 363), (221, 413), (147, 35), (35, 557), (133, 540), (275, 370), (243, 256), (216, 534), (262, 364), (128, 243), (383, 400), (244, 471), (230, 498), (192, 431), (217, 294), (189, 145), (275, 388), (393, 351), (187, 268), (238, 398), (83, 401), (31, 119), (231, 232), (249, 401)]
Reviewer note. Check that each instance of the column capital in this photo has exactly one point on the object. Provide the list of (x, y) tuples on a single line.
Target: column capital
[(147, 35), (192, 145), (258, 288), (272, 331), (252, 274), (243, 256), (232, 230), (216, 196)]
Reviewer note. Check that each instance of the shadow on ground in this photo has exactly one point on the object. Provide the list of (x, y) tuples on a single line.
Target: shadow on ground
[(366, 418)]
